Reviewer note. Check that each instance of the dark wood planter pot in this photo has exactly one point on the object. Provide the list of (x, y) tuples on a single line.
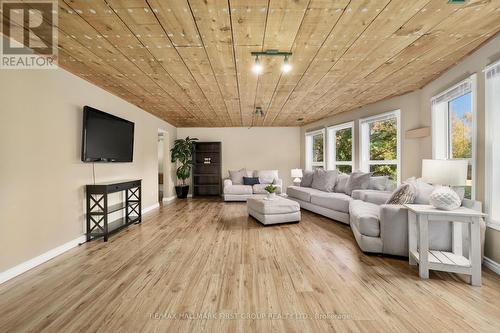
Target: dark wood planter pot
[(182, 191)]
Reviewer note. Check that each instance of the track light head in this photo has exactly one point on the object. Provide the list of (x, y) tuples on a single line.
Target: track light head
[(286, 67), (257, 66)]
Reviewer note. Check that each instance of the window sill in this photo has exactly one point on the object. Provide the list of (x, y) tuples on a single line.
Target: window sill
[(491, 225)]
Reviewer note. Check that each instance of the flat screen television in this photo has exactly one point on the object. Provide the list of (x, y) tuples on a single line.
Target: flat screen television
[(106, 138)]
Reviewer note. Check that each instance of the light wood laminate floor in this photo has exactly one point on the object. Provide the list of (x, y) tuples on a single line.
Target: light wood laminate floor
[(203, 265)]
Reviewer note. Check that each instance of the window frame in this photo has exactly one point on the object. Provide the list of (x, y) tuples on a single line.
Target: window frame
[(447, 144), (331, 153), (309, 141), (364, 126), (489, 131)]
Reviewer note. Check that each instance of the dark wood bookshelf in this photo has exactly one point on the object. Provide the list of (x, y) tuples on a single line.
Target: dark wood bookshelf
[(207, 169)]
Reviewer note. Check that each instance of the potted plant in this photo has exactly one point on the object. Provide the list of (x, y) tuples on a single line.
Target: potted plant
[(271, 191), (182, 155)]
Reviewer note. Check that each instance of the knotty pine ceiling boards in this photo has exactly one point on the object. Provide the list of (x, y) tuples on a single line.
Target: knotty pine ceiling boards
[(189, 63)]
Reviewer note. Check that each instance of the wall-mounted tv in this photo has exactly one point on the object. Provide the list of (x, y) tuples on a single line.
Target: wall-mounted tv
[(106, 138)]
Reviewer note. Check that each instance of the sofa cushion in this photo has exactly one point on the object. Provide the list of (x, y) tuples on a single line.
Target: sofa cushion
[(334, 201), (324, 180), (236, 176), (260, 188), (301, 193), (307, 178), (267, 176), (365, 217), (342, 180), (238, 189), (372, 196), (276, 206)]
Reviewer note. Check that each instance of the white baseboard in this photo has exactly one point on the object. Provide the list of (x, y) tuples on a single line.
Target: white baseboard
[(493, 265), (169, 199), (150, 208), (44, 257), (27, 265)]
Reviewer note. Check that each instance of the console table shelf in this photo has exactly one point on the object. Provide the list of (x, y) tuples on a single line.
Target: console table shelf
[(98, 209)]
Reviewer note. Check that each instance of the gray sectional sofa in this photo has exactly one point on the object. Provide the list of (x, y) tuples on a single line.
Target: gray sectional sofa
[(377, 227)]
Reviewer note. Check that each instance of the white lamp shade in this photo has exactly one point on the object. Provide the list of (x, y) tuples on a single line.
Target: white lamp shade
[(296, 173), (445, 172)]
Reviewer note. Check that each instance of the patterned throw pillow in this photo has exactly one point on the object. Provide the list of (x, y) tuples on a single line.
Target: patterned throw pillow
[(404, 194), (324, 180), (307, 178), (236, 176)]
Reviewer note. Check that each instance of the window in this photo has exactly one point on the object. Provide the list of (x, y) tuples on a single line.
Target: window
[(315, 147), (453, 127), (493, 141), (380, 145), (341, 147)]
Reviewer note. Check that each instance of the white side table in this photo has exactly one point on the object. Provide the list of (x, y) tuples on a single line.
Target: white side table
[(454, 262)]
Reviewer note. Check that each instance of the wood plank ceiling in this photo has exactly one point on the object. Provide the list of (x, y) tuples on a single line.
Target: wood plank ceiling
[(189, 62)]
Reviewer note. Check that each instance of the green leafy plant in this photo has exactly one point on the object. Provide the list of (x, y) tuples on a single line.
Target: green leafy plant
[(182, 154), (270, 188)]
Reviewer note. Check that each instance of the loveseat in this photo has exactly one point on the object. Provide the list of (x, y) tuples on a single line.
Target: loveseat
[(235, 188), (377, 227)]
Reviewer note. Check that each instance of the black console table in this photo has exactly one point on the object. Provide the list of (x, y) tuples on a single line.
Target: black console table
[(98, 209)]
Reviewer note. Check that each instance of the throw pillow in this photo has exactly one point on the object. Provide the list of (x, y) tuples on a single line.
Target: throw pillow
[(251, 173), (378, 183), (250, 180), (358, 181), (324, 180), (236, 176), (404, 194), (423, 190), (267, 176), (342, 180), (307, 178)]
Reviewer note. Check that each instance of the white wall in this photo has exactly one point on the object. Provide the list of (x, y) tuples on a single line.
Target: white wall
[(41, 175), (256, 148)]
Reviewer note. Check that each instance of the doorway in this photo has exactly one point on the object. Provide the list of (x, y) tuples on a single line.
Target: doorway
[(161, 166)]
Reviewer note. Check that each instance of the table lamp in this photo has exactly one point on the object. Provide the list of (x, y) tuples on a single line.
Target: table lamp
[(447, 173), (297, 175)]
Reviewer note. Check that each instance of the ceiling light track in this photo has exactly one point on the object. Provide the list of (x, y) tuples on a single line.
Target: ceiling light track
[(257, 68)]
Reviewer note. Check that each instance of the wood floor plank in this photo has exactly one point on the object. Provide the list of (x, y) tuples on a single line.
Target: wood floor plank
[(203, 265)]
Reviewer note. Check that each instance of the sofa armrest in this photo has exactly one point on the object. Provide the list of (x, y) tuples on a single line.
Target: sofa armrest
[(278, 182), (394, 229), (227, 182)]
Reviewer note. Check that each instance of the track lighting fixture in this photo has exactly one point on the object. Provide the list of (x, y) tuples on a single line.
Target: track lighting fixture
[(286, 67), (257, 67)]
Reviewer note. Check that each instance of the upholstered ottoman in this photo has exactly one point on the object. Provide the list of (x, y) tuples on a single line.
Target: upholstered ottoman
[(278, 210)]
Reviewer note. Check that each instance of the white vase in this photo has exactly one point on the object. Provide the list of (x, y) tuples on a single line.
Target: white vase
[(271, 196)]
